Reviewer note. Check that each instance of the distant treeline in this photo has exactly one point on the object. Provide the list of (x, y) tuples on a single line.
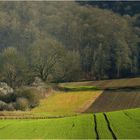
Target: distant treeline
[(122, 7), (66, 41)]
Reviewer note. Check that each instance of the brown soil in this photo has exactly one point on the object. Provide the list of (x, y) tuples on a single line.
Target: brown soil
[(111, 100), (88, 103)]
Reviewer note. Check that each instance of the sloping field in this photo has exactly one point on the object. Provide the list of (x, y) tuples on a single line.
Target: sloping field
[(125, 124), (107, 84), (67, 103), (111, 100), (71, 127), (120, 125), (117, 95), (71, 103)]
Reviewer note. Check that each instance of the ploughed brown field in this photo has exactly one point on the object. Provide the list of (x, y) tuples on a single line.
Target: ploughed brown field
[(111, 100), (118, 94)]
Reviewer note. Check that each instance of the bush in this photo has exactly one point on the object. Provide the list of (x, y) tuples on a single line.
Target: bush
[(10, 107), (22, 104), (22, 99), (8, 98), (29, 94), (3, 106)]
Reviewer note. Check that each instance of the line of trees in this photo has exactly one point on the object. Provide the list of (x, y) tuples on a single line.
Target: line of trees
[(66, 42), (121, 7)]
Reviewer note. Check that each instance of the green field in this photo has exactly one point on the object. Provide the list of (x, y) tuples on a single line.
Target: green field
[(123, 124), (71, 127), (78, 88), (126, 126)]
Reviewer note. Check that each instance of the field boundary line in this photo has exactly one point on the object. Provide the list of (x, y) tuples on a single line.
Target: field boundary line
[(109, 127), (95, 127), (89, 103), (35, 117)]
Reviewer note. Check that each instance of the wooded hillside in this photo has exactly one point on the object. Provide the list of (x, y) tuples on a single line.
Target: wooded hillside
[(66, 41)]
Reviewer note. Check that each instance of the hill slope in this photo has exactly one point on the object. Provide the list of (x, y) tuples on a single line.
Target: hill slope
[(123, 124), (118, 94)]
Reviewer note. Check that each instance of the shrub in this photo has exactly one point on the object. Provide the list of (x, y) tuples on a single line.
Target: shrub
[(8, 98), (10, 107), (31, 95), (22, 103), (21, 99), (3, 106)]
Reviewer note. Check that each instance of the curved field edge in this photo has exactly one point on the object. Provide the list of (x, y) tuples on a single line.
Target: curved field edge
[(72, 127), (77, 127)]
